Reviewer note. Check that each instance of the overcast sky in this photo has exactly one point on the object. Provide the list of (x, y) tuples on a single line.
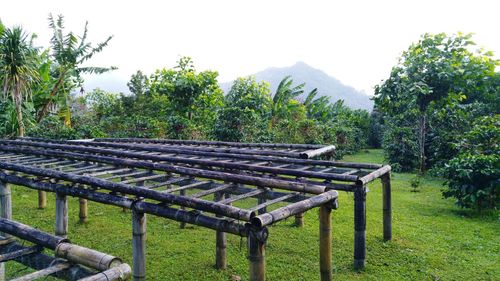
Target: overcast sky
[(356, 41)]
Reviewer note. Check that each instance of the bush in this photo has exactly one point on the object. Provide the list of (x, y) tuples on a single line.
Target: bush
[(473, 177), (401, 148), (52, 127)]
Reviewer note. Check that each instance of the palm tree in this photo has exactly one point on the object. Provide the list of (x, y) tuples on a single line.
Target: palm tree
[(18, 68), (284, 94), (69, 52)]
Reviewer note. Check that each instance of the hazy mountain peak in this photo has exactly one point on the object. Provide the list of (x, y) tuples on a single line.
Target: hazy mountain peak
[(327, 85)]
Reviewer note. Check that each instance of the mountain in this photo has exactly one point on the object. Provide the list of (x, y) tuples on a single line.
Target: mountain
[(314, 78)]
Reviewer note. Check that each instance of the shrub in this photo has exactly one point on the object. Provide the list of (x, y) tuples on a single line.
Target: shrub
[(473, 177), (401, 148)]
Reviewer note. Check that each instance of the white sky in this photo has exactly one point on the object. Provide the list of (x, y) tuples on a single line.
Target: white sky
[(356, 41)]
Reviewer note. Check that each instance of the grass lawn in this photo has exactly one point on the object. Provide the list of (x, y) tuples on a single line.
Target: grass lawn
[(432, 239)]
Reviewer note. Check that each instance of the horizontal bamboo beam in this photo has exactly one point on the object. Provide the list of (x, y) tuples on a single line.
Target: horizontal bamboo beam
[(221, 143), (191, 217), (223, 176), (309, 154), (120, 272), (41, 261), (169, 149), (374, 175), (44, 272), (20, 253), (30, 234), (194, 203), (201, 162), (293, 209)]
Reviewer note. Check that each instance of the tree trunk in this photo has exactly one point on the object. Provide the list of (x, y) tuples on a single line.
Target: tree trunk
[(423, 131), (19, 110)]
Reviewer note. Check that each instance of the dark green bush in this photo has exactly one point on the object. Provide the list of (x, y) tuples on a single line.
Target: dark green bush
[(473, 177), (401, 148)]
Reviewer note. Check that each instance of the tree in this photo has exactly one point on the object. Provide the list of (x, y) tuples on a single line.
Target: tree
[(435, 71), (246, 112), (282, 100), (68, 52), (17, 68), (193, 97), (138, 83)]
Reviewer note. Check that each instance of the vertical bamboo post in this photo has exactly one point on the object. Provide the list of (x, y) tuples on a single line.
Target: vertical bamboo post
[(5, 205), (325, 242), (299, 219), (257, 254), (6, 213), (182, 225), (359, 227), (262, 200), (42, 199), (387, 208), (220, 240), (83, 210), (139, 245), (61, 228)]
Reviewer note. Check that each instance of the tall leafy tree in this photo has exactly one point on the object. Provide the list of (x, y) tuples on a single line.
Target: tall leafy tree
[(18, 68), (69, 52), (246, 112), (432, 73)]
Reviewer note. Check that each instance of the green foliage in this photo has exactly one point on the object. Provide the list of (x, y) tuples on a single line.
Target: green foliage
[(473, 177), (69, 54), (18, 70), (436, 78), (246, 111), (415, 183), (401, 148), (190, 94), (53, 128)]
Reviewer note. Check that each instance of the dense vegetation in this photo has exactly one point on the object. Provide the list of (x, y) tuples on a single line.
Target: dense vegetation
[(438, 109)]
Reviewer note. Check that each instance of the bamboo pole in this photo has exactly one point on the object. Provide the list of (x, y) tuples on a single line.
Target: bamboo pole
[(139, 245), (317, 152), (359, 227), (83, 214), (61, 227), (257, 254), (182, 192), (30, 234), (5, 213), (293, 209), (42, 200), (325, 242), (199, 204), (85, 256), (196, 218), (299, 219), (261, 200), (387, 208), (200, 142), (201, 162), (120, 272), (5, 206), (187, 151), (220, 241)]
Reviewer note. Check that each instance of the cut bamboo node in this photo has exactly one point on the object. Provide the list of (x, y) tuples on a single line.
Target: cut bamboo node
[(87, 257)]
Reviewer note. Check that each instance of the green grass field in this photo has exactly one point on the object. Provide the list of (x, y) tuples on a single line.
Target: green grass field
[(432, 239)]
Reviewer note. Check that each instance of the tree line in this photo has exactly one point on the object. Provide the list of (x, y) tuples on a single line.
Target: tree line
[(438, 111)]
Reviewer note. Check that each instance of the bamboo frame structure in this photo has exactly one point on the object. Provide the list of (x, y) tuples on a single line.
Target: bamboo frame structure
[(178, 176), (70, 261)]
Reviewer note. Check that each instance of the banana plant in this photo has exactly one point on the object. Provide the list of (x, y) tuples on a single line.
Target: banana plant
[(68, 52)]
